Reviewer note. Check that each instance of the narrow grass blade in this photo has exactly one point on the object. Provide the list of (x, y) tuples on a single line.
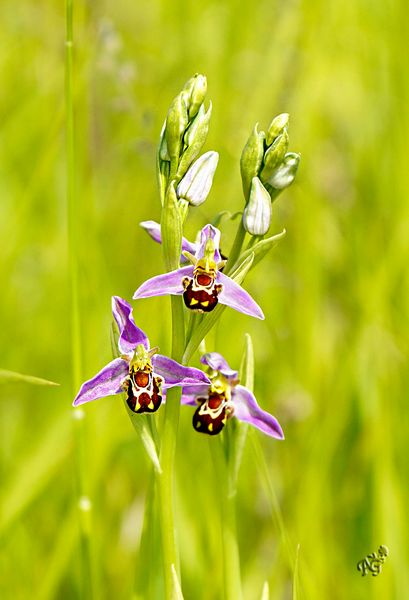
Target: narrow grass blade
[(13, 377)]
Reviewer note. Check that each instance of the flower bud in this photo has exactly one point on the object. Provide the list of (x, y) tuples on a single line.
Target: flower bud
[(277, 127), (285, 174), (274, 155), (196, 88), (257, 214), (195, 185), (176, 123), (194, 139), (251, 159)]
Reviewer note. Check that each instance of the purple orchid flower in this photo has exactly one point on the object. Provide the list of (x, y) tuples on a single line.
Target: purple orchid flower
[(140, 372), (202, 284), (225, 398)]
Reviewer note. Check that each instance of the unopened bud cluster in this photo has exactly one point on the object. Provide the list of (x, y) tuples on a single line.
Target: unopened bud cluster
[(266, 169), (182, 139)]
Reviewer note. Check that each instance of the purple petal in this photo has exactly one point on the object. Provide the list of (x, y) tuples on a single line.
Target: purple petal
[(217, 362), (246, 409), (209, 232), (168, 283), (192, 392), (235, 296), (176, 374), (105, 383), (153, 229), (130, 335)]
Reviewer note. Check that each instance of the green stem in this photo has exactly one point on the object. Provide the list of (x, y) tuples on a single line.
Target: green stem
[(167, 458), (83, 502), (230, 549), (236, 248)]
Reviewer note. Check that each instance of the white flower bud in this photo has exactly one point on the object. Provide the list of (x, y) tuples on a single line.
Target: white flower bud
[(195, 185), (285, 174), (257, 214)]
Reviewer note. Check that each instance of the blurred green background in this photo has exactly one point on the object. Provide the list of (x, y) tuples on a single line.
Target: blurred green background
[(331, 357)]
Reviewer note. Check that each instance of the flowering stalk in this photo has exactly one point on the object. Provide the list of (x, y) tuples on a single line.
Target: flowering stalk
[(266, 170), (83, 502)]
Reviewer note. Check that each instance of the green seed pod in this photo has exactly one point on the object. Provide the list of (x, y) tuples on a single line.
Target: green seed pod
[(176, 123), (274, 155), (257, 214), (251, 159), (285, 174), (194, 139), (277, 126)]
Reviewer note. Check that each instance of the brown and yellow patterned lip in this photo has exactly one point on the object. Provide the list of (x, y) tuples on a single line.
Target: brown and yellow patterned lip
[(143, 391)]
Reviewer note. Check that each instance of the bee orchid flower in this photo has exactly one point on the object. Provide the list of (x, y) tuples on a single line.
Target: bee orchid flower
[(202, 283), (225, 398), (139, 371)]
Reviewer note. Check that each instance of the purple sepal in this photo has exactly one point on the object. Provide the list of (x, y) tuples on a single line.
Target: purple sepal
[(176, 374), (246, 409), (236, 297), (217, 362), (153, 229), (168, 283), (130, 335), (209, 232), (105, 383)]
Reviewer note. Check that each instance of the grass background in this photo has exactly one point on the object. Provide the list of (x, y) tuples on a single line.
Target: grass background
[(331, 357)]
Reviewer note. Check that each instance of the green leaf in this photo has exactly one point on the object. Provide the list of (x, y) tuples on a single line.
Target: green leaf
[(13, 377), (260, 249), (265, 594), (296, 588), (177, 590)]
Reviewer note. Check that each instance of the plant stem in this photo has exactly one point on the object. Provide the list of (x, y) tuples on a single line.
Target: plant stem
[(83, 502), (231, 556), (236, 248), (167, 458)]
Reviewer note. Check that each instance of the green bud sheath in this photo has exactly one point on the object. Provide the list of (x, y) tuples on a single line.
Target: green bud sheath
[(274, 155), (257, 214), (163, 147), (277, 126), (198, 94), (194, 139), (251, 159), (176, 123), (171, 227)]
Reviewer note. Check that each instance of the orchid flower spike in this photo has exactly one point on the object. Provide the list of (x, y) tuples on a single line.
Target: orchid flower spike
[(140, 372), (202, 284), (225, 398)]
